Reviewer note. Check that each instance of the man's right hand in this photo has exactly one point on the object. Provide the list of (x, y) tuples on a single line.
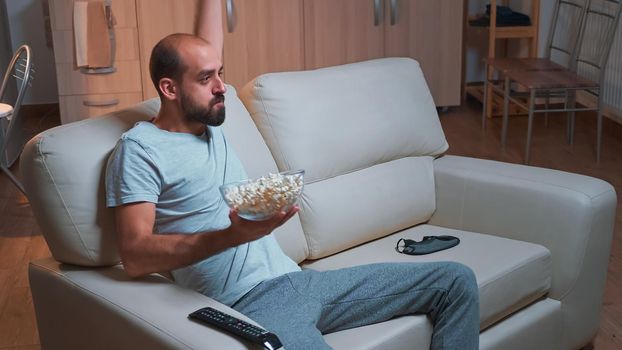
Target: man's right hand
[(248, 230)]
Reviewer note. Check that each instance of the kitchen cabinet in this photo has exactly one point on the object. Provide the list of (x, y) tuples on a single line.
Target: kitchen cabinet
[(346, 31), (83, 95), (430, 32), (262, 36)]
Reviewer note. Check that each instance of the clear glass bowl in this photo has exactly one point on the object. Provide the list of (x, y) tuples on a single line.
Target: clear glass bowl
[(261, 198)]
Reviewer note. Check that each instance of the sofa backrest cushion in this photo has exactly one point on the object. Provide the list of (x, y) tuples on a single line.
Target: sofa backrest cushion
[(63, 170), (365, 133)]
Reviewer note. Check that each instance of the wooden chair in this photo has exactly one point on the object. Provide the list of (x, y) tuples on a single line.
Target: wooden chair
[(507, 33), (557, 49), (596, 34)]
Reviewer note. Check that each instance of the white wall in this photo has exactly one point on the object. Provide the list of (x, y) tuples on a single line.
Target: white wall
[(26, 26), (476, 41)]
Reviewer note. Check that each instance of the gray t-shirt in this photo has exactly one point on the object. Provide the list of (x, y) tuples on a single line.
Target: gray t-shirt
[(181, 173)]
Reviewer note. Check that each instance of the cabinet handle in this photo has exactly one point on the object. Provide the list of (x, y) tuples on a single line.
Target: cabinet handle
[(377, 12), (90, 103), (393, 12), (103, 70), (230, 16)]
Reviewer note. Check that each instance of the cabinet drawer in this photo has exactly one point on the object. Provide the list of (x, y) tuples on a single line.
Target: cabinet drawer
[(61, 14), (78, 107), (126, 45), (72, 82)]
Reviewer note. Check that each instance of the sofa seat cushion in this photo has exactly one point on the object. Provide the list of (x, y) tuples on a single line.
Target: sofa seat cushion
[(510, 274)]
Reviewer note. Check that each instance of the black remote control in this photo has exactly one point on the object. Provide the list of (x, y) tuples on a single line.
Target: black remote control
[(235, 325)]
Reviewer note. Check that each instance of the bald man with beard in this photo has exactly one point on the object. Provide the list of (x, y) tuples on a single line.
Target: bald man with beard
[(162, 180)]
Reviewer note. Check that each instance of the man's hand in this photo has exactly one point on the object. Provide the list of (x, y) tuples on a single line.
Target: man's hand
[(247, 230)]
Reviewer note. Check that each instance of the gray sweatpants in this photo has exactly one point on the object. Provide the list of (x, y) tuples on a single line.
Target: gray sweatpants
[(300, 306)]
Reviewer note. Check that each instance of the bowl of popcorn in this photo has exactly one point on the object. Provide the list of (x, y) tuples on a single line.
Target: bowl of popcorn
[(261, 198)]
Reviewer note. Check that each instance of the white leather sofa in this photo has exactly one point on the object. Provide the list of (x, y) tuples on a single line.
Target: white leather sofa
[(370, 140)]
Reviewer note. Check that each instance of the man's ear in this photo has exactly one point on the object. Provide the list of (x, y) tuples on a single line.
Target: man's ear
[(168, 88)]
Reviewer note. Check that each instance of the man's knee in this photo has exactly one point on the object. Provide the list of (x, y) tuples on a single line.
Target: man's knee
[(463, 279)]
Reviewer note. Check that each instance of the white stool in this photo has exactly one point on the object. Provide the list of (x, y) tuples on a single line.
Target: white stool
[(6, 113)]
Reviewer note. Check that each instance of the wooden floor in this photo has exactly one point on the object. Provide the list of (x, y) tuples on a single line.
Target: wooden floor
[(21, 240)]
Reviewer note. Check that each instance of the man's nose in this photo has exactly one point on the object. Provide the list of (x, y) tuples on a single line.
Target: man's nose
[(219, 86)]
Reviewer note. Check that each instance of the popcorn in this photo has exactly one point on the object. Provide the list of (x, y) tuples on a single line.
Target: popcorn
[(264, 197)]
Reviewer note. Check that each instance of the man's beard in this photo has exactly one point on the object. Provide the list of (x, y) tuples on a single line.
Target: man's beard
[(205, 115)]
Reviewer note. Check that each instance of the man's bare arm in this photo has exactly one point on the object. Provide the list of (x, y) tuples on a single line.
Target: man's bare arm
[(144, 252), (209, 24)]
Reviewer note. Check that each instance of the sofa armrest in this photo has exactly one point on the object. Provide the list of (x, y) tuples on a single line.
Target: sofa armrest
[(102, 308), (572, 215)]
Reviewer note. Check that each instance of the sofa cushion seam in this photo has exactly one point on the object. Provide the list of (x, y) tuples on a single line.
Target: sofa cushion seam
[(367, 166)]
